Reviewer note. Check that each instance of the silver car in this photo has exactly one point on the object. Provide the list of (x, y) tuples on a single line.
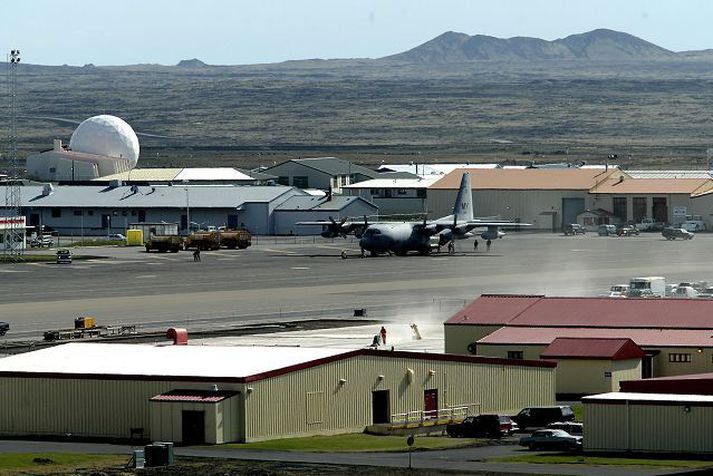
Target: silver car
[(551, 440)]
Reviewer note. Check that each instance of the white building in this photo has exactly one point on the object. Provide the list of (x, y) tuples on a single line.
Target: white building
[(101, 145)]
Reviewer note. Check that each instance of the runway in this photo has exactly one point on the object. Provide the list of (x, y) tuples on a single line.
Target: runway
[(306, 278)]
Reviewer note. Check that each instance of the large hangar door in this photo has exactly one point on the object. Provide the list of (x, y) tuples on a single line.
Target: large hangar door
[(571, 207)]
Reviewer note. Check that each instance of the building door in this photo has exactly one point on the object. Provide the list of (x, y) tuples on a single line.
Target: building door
[(430, 403), (232, 221), (571, 207), (380, 406), (647, 364), (193, 427), (659, 209), (142, 216)]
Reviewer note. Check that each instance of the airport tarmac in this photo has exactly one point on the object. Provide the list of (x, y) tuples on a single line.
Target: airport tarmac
[(306, 278)]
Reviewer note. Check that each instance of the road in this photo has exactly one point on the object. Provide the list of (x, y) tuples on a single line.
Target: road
[(463, 459), (291, 277)]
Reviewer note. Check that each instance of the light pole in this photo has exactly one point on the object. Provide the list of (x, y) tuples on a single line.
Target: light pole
[(188, 213)]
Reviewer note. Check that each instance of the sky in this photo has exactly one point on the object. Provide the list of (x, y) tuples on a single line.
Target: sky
[(78, 32)]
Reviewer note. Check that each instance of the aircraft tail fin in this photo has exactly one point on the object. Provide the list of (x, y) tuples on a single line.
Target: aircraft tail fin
[(463, 208)]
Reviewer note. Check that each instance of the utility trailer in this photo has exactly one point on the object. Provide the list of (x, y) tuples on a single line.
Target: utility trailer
[(85, 328)]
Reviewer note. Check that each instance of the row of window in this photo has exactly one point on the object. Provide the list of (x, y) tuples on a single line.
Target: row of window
[(672, 357), (57, 213), (390, 192)]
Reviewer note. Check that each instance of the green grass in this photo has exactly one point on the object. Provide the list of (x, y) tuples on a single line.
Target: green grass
[(354, 442), (602, 461), (22, 463), (45, 258), (578, 410), (97, 242)]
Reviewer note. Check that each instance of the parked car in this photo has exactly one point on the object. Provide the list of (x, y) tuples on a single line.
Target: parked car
[(116, 237), (41, 242), (4, 327), (693, 225), (618, 291), (627, 230), (572, 427), (539, 417), (672, 232), (551, 440), (606, 230), (64, 257), (574, 229), (494, 426)]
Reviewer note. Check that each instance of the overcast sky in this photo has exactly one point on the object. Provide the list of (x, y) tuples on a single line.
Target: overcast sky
[(77, 32)]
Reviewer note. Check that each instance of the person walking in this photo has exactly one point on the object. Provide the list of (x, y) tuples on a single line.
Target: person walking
[(487, 245), (383, 335), (197, 255), (475, 245)]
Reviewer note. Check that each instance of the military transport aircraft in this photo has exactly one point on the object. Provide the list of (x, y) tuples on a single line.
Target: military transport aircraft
[(401, 237)]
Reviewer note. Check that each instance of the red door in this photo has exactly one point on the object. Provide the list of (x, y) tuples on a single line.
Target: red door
[(430, 403)]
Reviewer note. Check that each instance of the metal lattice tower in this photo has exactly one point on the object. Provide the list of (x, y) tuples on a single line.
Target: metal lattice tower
[(13, 247)]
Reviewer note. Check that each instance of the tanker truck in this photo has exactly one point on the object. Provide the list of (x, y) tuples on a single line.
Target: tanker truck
[(232, 239)]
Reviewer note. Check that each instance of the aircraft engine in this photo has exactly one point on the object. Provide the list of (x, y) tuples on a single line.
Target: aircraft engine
[(444, 237), (492, 235)]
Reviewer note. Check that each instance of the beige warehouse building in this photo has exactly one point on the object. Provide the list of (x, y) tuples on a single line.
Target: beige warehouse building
[(525, 326), (196, 394), (648, 423)]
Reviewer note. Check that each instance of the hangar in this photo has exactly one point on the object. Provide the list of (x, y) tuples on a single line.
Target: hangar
[(194, 394), (545, 198), (77, 210), (524, 326)]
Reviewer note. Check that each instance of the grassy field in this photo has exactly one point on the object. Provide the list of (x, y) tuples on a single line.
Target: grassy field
[(15, 464), (603, 461), (482, 112), (355, 442)]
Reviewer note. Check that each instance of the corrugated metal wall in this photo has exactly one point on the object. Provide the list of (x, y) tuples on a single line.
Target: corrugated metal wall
[(99, 408), (278, 407), (648, 427)]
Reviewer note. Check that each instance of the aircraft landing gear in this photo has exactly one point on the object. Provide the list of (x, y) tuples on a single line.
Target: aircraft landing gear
[(362, 254), (344, 254), (451, 248)]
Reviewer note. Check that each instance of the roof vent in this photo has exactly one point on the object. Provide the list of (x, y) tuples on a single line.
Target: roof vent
[(178, 335), (47, 189)]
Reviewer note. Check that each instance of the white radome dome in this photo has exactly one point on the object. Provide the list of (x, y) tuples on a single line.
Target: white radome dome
[(106, 135)]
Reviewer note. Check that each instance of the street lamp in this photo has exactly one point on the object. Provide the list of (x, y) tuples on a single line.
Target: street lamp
[(188, 212)]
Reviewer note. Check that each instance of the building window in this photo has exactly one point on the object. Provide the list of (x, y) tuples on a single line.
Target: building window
[(679, 358), (300, 182), (619, 208), (56, 213), (374, 192), (90, 213), (515, 354), (133, 213), (421, 193), (53, 170), (387, 193), (283, 180), (401, 191), (77, 213)]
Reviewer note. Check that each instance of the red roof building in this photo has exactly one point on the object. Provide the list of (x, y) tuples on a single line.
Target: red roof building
[(676, 335), (592, 348)]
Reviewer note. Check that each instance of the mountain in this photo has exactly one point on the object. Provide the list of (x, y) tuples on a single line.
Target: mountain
[(191, 63), (598, 45)]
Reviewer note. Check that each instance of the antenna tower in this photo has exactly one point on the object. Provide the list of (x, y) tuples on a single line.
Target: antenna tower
[(14, 239)]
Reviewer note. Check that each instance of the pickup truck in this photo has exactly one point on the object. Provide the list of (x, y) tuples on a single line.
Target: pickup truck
[(4, 327)]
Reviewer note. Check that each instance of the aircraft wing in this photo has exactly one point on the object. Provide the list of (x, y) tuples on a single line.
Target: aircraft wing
[(333, 228)]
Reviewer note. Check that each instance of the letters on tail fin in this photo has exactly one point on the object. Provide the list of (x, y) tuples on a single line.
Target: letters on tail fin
[(463, 208)]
